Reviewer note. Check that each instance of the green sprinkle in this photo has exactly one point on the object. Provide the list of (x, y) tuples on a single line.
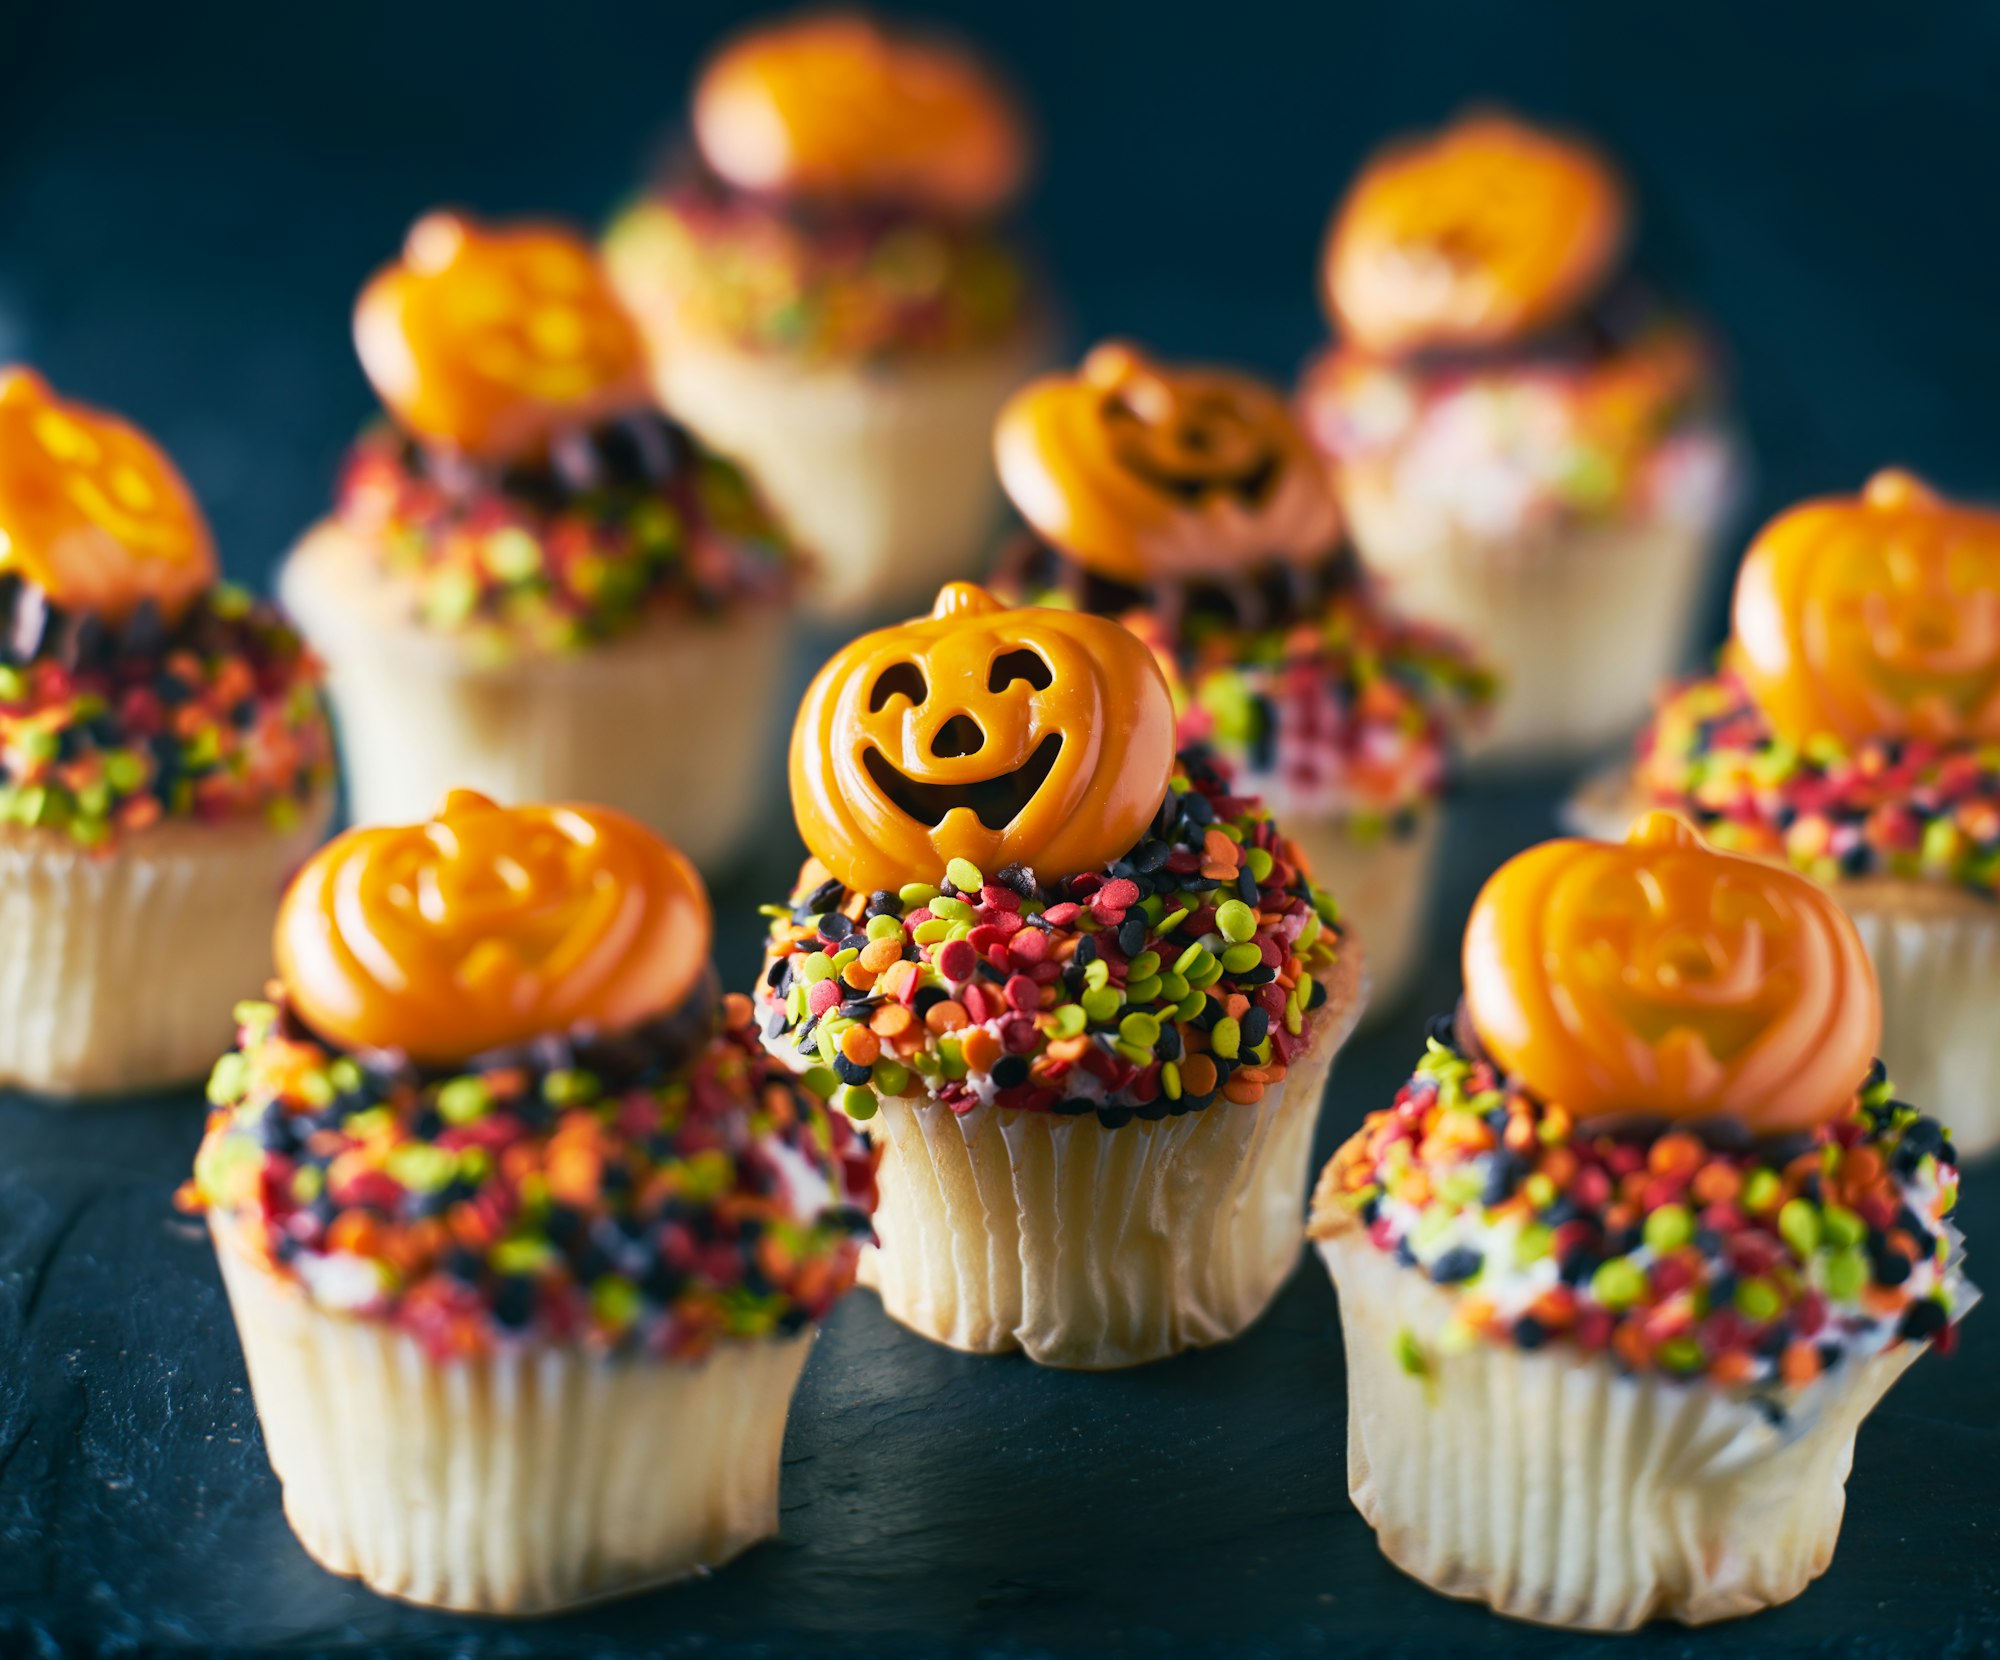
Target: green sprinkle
[(615, 1301), (421, 1167), (1846, 1274), (1798, 1226), (1259, 860), (964, 875), (1142, 991), (884, 928), (1540, 1190), (1097, 974), (521, 1256), (814, 967), (857, 1101), (1681, 1354), (464, 1100), (931, 930), (1761, 1190), (1240, 959), (1170, 1080), (1173, 988), (229, 1078), (1410, 1354), (1669, 1228), (1101, 1004), (1618, 1284), (1140, 1030), (1068, 1020), (1143, 967), (822, 1081), (570, 1088), (1186, 962), (13, 686), (1226, 1038), (1172, 920), (1534, 1242), (916, 895), (1841, 1226), (953, 910), (1759, 1300), (890, 1077), (1236, 922)]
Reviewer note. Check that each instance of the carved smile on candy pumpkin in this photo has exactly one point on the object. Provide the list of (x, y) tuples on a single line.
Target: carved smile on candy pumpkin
[(91, 511), (1044, 738), (1663, 978), (1479, 234), (1143, 472), (489, 926), (1876, 617), (490, 341)]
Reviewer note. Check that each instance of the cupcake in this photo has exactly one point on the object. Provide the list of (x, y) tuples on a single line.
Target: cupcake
[(1527, 444), (1188, 504), (164, 759), (1853, 732), (1083, 993), (830, 298), (525, 1237), (533, 582), (1638, 1246)]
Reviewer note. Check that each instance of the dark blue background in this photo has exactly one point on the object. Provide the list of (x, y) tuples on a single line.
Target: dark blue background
[(191, 194)]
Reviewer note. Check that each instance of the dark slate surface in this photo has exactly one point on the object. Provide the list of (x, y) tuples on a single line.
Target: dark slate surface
[(933, 1502)]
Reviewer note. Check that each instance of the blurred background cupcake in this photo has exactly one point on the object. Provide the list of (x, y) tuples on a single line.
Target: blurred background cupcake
[(1187, 503), (534, 582), (1527, 442), (525, 1239), (1639, 1246), (1853, 731), (164, 759), (1084, 993), (829, 295)]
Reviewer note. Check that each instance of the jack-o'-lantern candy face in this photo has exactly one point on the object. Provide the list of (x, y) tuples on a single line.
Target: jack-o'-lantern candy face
[(833, 107), (489, 341), (1043, 738), (1663, 978), (1480, 234), (91, 511), (490, 926), (1876, 617), (1144, 472)]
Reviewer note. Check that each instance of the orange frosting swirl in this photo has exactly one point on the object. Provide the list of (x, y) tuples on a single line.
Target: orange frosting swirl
[(91, 510), (490, 341), (834, 107), (1875, 616), (1661, 977), (1038, 737), (490, 926), (1142, 471), (1482, 233)]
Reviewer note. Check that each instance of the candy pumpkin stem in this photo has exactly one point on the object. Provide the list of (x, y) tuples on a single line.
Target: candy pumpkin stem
[(1661, 828), (964, 599), (1894, 487)]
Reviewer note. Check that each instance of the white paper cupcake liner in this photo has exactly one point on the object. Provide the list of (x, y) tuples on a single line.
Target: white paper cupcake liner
[(1383, 889), (520, 1483), (1936, 952), (1582, 622), (118, 969), (885, 475), (626, 724), (1093, 1248), (1553, 1489)]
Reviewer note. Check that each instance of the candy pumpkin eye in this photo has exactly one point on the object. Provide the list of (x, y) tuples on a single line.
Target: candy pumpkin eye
[(906, 678), (1020, 664)]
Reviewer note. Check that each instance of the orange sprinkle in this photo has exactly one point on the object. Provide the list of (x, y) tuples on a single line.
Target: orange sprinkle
[(352, 1233), (1197, 1073), (877, 955), (1218, 849), (897, 980), (737, 1009), (860, 1045), (1716, 1184), (1074, 1049), (1676, 1154), (1243, 1091), (982, 1049), (1731, 1367), (891, 1019), (947, 1016), (576, 1174), (857, 976), (1799, 1364)]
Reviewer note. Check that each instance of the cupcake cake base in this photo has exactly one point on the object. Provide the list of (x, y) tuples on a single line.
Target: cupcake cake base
[(1383, 890), (518, 1483), (1580, 623), (625, 724), (1554, 1489), (121, 966), (1094, 1248), (885, 478)]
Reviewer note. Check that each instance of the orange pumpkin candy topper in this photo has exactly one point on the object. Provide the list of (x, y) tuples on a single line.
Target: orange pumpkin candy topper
[(91, 510), (1143, 472), (1874, 617), (490, 926), (1471, 237), (491, 340), (1044, 738), (1662, 977), (833, 107)]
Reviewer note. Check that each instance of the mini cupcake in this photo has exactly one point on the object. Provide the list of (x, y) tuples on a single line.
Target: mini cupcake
[(533, 582), (1639, 1246), (1853, 731), (164, 759), (1527, 444), (1083, 993), (1188, 504), (829, 296), (525, 1238)]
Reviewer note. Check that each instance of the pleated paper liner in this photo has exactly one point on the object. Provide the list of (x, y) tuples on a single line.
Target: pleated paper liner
[(626, 724), (1096, 1248), (1936, 951), (1383, 890), (1554, 1489), (1582, 622), (524, 1482), (122, 965)]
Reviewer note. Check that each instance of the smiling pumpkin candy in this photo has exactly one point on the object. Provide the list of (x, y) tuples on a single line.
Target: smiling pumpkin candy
[(1662, 978), (1038, 737), (489, 926)]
